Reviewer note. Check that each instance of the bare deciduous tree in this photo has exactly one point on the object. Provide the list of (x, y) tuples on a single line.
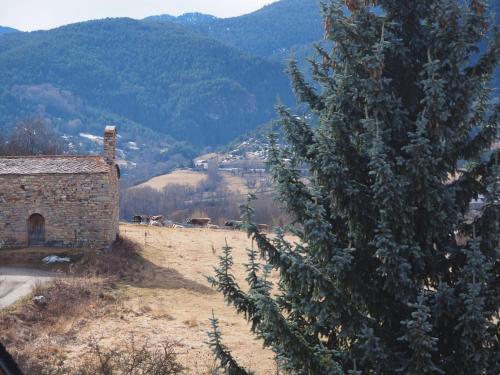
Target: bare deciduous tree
[(179, 202), (32, 137)]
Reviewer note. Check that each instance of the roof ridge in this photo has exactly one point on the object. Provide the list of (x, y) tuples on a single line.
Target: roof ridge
[(52, 157), (57, 164)]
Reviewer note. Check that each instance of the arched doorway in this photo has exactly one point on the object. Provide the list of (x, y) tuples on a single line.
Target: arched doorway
[(36, 230)]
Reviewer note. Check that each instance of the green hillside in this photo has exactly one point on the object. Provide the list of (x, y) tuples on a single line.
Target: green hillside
[(160, 76), (274, 31), (283, 29)]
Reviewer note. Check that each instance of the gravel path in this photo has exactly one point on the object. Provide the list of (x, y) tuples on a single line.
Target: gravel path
[(16, 283)]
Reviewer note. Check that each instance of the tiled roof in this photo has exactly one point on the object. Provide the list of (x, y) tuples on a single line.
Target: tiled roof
[(29, 165)]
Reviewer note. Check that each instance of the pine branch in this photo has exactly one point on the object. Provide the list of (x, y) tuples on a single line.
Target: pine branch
[(225, 283), (420, 342), (488, 62), (304, 92), (227, 362), (298, 134)]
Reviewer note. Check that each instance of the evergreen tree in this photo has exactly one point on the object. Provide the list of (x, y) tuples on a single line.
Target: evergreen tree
[(392, 273)]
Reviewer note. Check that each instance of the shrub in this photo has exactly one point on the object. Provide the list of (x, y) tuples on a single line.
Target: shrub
[(127, 358)]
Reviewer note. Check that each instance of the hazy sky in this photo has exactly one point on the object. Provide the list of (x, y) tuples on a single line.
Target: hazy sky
[(28, 15)]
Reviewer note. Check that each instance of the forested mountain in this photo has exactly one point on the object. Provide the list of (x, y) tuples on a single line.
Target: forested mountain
[(7, 30), (164, 80), (194, 19), (284, 29), (160, 76), (275, 31)]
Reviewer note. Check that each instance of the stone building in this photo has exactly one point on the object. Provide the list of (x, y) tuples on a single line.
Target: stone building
[(60, 201)]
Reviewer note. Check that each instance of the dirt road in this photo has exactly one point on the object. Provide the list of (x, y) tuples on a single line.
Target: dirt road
[(15, 283)]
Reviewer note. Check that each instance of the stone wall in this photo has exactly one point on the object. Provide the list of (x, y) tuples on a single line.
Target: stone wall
[(80, 210)]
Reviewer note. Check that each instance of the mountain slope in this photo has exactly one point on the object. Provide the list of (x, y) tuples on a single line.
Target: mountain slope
[(283, 29), (273, 31), (196, 19), (163, 77), (7, 30)]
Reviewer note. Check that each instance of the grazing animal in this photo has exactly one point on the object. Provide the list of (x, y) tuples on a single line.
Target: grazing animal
[(234, 224), (199, 222), (141, 219), (158, 218)]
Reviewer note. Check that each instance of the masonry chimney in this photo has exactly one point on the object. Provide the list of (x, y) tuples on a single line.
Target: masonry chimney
[(110, 144)]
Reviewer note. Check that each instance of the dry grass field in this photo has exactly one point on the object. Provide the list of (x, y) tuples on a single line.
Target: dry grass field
[(178, 177), (168, 299), (235, 184), (175, 300)]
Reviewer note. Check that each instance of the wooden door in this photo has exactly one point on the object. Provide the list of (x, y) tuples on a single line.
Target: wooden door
[(36, 230)]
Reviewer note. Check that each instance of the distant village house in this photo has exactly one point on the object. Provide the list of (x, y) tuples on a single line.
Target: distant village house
[(60, 201)]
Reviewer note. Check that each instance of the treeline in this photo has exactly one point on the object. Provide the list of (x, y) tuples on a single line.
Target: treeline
[(31, 137), (182, 202)]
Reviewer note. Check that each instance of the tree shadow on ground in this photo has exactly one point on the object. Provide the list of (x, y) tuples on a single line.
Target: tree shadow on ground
[(126, 262), (151, 275)]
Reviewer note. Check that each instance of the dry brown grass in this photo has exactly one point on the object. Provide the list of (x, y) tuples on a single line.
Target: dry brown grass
[(191, 322), (179, 177), (32, 258), (97, 358), (122, 262), (174, 300), (87, 290), (157, 292), (66, 297), (69, 300), (235, 184)]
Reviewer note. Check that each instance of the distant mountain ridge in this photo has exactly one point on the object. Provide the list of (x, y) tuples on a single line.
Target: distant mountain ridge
[(7, 30), (163, 77), (184, 19), (194, 77), (273, 31)]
